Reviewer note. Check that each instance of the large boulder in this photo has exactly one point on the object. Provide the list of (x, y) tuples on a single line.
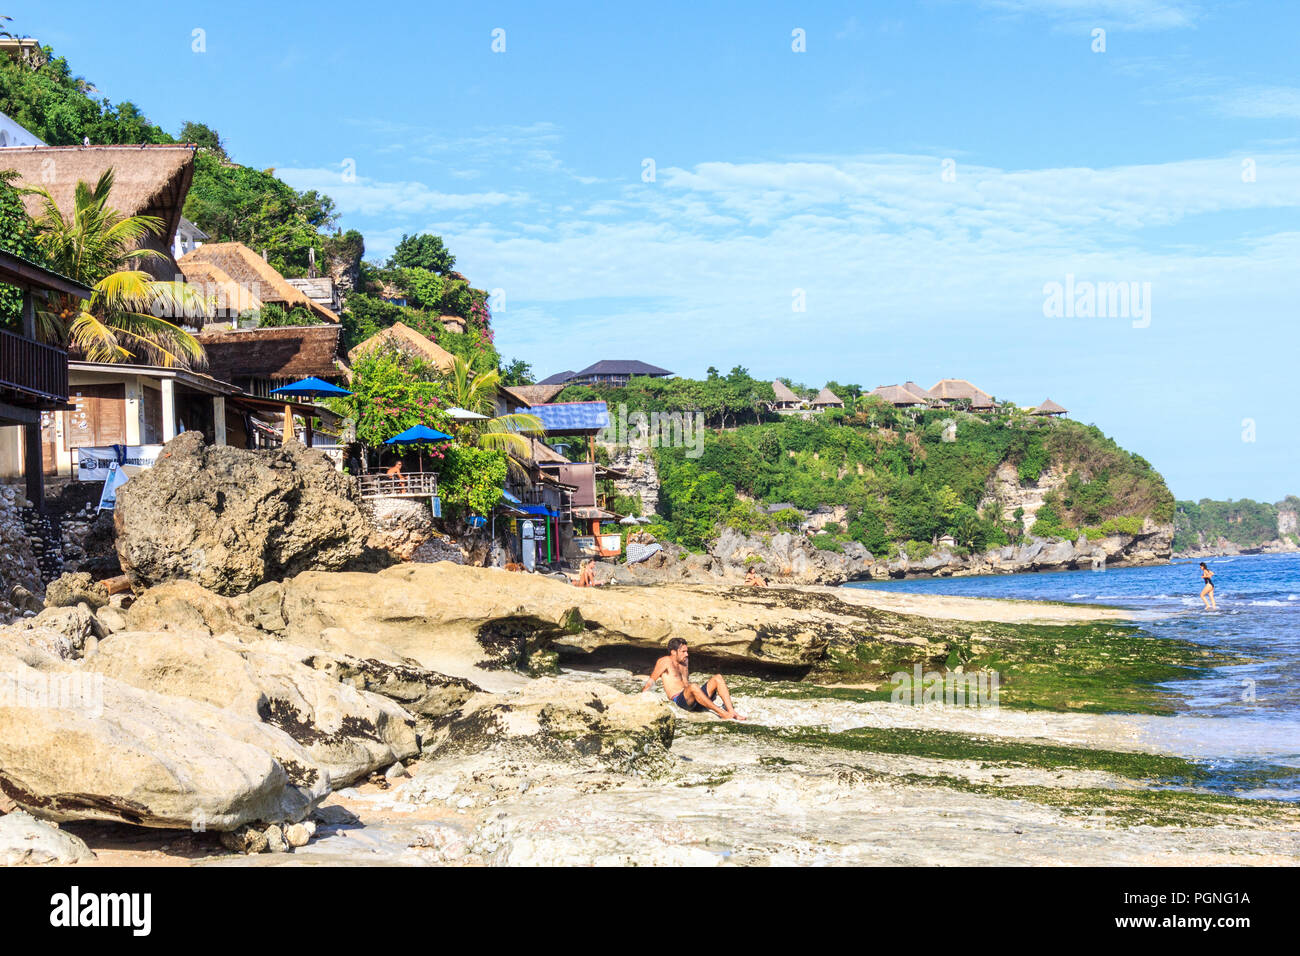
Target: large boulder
[(25, 840), (231, 519), (77, 746), (473, 622), (346, 733)]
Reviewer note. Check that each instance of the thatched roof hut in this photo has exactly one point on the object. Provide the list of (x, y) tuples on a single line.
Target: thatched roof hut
[(1049, 407), (958, 389), (784, 396), (148, 180), (925, 394), (286, 352), (250, 270), (408, 340), (228, 298), (827, 399), (899, 397)]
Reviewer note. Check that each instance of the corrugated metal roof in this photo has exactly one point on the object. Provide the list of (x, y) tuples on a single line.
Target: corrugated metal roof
[(558, 417)]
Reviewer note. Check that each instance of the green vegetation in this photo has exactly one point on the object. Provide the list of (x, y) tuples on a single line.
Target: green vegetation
[(391, 392), (985, 750), (56, 106), (1244, 523), (236, 203), (96, 245), (273, 316), (1097, 667), (17, 235), (900, 482)]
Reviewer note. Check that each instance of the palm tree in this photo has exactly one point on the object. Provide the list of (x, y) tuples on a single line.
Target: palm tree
[(122, 321), (475, 392)]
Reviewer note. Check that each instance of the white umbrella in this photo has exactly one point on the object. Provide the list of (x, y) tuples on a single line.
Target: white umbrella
[(629, 520), (464, 414)]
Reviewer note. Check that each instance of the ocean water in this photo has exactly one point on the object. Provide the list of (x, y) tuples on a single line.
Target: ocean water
[(1240, 715)]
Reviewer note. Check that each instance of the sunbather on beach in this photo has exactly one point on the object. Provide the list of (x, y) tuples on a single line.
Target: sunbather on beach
[(754, 579), (587, 575), (675, 670)]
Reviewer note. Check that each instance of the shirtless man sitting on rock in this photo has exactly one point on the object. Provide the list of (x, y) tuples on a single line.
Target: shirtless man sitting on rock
[(675, 669)]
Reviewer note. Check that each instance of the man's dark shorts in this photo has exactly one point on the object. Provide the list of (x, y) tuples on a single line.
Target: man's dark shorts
[(681, 701)]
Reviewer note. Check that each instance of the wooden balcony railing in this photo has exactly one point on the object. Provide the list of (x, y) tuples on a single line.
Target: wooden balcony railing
[(414, 484), (33, 368)]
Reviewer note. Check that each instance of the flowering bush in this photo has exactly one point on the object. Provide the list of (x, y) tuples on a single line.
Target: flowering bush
[(392, 391)]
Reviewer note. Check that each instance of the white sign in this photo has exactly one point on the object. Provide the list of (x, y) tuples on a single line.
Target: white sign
[(92, 462), (115, 480)]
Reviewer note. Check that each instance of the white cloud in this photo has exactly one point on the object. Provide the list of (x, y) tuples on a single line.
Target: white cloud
[(1122, 14), (1261, 102), (369, 197)]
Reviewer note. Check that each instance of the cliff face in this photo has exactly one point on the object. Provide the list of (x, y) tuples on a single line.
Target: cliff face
[(793, 558), (1200, 535)]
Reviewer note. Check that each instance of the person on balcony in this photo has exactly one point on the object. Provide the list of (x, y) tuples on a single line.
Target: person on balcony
[(396, 472)]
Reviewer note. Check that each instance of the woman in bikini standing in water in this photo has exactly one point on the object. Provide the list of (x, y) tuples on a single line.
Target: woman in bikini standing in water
[(1207, 592)]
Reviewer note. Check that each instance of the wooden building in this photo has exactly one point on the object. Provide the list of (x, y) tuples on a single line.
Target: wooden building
[(33, 374), (259, 360)]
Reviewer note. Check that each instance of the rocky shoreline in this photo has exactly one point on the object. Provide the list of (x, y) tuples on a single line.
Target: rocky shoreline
[(393, 717), (257, 687), (788, 558)]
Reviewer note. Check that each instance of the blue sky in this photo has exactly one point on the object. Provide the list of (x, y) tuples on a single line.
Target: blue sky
[(1171, 158)]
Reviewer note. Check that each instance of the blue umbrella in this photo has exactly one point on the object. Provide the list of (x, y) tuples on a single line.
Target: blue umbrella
[(418, 434), (307, 388), (311, 388)]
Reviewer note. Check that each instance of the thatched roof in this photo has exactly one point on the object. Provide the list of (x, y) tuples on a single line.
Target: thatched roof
[(536, 394), (293, 351), (784, 394), (452, 323), (1049, 407), (898, 396), (826, 399), (226, 295), (408, 340), (958, 389), (253, 272), (147, 181), (923, 393)]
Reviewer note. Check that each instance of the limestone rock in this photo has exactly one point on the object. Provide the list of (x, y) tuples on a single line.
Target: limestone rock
[(299, 834), (25, 840), (462, 620), (345, 732), (60, 631), (75, 746), (557, 719), (73, 588), (232, 519)]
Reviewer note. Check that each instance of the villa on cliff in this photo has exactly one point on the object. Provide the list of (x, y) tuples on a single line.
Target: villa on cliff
[(607, 372)]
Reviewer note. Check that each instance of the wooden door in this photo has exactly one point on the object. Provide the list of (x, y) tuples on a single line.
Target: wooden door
[(99, 418)]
